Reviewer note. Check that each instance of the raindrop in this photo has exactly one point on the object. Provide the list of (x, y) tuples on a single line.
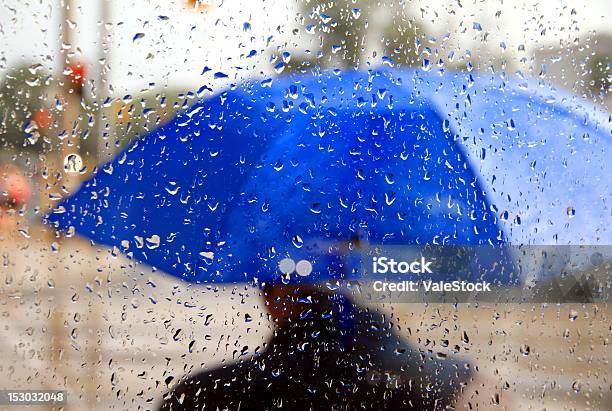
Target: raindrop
[(208, 255), (172, 188), (279, 67), (169, 380), (315, 208), (293, 91), (333, 286), (426, 66), (446, 125), (153, 242), (525, 350), (496, 399), (325, 18), (297, 241)]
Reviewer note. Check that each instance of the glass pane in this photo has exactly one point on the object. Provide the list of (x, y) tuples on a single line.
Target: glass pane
[(306, 204)]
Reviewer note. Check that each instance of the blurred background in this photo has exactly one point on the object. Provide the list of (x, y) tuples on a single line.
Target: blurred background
[(81, 79)]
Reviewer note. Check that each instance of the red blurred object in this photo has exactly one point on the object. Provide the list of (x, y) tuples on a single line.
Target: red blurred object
[(78, 73), (15, 188), (43, 118)]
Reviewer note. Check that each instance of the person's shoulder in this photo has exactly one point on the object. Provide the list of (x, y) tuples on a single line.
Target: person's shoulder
[(211, 387)]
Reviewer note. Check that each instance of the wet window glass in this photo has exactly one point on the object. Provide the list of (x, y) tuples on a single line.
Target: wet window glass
[(308, 204)]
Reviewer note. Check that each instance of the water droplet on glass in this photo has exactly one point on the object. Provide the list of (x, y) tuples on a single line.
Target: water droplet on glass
[(153, 241), (315, 208), (325, 18), (426, 66), (279, 67), (525, 350), (573, 315), (297, 241)]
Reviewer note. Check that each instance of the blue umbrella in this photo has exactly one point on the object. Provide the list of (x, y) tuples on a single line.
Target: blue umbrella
[(298, 170)]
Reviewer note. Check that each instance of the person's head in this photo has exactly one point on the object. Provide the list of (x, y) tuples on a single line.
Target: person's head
[(285, 303)]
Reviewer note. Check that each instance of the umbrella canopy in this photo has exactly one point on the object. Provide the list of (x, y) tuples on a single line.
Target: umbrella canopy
[(300, 169)]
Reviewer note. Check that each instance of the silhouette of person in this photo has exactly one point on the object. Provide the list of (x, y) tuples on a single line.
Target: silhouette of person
[(325, 353)]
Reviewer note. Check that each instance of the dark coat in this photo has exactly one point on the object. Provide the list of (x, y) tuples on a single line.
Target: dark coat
[(316, 364)]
